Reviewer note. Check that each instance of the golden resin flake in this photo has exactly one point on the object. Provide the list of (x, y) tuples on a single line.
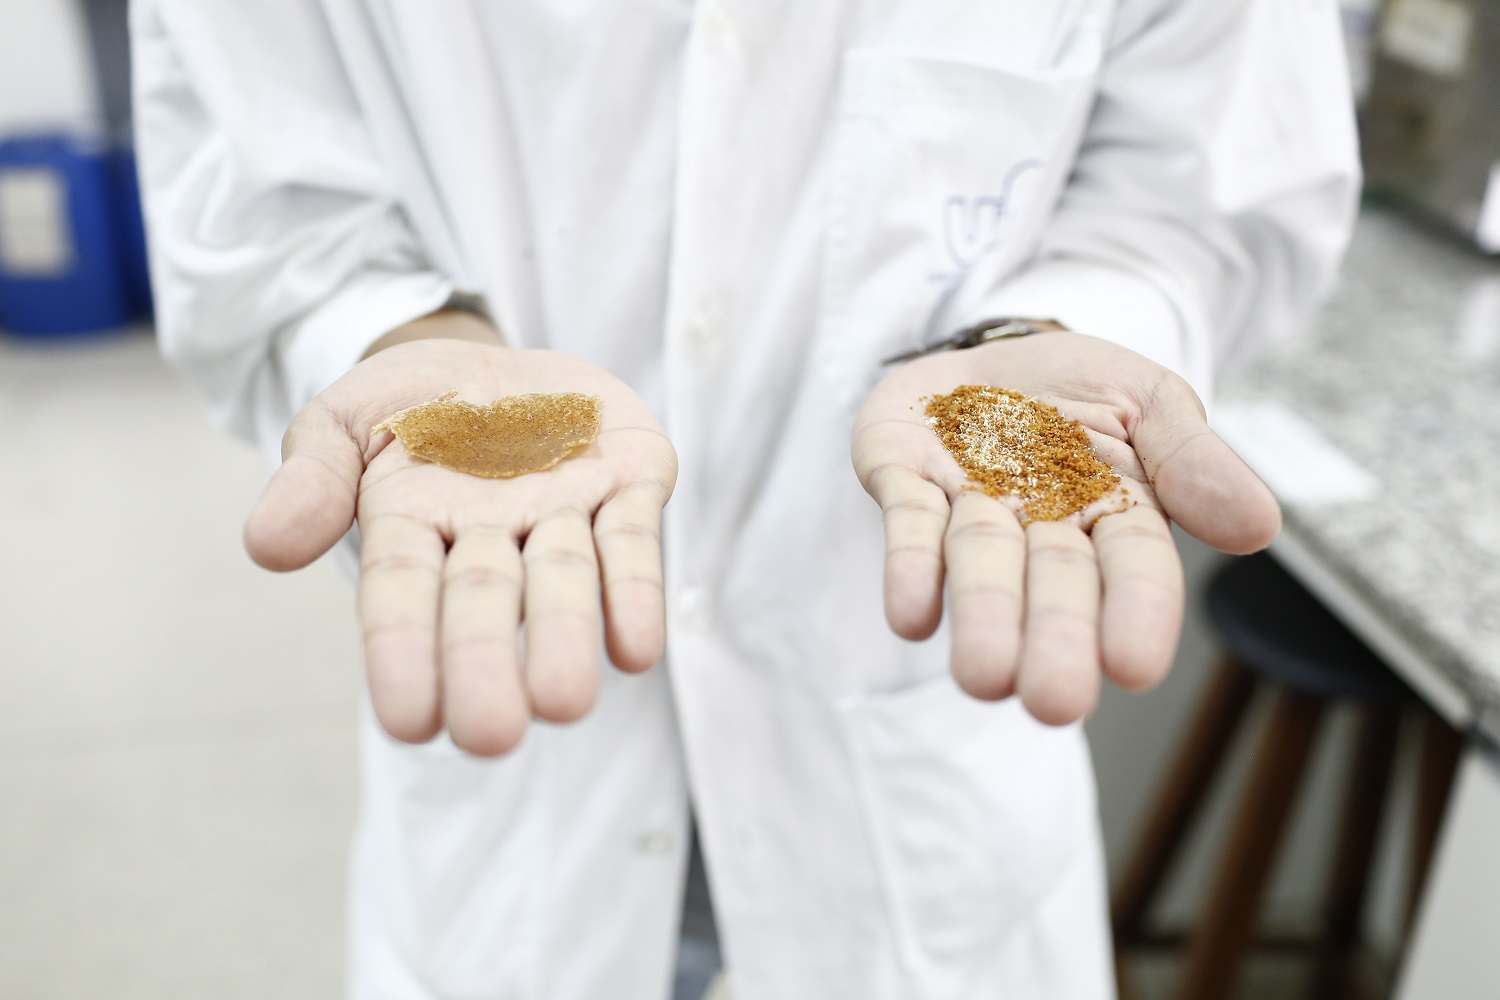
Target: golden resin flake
[(512, 436), (1011, 445)]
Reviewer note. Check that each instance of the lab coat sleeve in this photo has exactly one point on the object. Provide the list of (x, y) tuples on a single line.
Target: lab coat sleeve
[(1215, 187), (279, 251)]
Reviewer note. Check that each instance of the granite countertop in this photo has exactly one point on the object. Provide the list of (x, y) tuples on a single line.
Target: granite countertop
[(1402, 373)]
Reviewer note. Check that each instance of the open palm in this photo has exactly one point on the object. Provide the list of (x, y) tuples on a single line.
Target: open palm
[(1043, 610), (452, 564)]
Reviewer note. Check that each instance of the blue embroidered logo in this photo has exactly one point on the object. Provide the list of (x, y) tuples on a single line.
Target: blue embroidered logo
[(974, 227)]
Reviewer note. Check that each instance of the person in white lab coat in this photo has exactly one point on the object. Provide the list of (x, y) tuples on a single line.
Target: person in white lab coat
[(720, 216)]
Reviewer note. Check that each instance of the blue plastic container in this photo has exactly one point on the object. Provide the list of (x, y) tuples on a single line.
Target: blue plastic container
[(60, 241)]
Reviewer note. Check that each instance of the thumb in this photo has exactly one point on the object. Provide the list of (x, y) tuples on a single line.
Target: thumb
[(1200, 481), (309, 502)]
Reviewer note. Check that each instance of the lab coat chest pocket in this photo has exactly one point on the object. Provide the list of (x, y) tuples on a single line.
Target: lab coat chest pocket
[(943, 175), (973, 810)]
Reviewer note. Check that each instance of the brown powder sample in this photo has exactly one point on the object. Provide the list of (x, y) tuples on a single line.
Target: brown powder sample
[(1011, 445), (510, 437)]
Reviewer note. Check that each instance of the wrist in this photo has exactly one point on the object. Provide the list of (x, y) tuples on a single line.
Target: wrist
[(983, 332), (445, 324)]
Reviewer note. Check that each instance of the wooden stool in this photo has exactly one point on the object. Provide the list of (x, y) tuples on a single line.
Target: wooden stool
[(1279, 638)]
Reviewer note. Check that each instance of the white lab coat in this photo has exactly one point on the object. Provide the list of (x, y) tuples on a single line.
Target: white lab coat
[(739, 206)]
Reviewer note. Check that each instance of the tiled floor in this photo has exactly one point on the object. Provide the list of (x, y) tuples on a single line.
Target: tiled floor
[(176, 754)]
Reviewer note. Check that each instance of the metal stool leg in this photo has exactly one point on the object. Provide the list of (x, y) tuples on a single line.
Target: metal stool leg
[(1354, 854), (1219, 943)]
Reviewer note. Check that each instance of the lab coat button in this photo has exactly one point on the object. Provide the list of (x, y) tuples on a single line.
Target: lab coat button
[(692, 607), (655, 843), (700, 333), (719, 22)]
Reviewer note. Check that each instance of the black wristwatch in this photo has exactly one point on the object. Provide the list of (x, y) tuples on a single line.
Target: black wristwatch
[(981, 333)]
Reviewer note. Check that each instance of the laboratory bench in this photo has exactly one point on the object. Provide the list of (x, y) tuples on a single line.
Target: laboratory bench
[(1379, 430)]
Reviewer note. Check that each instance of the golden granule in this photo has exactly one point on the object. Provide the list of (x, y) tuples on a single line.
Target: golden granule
[(1011, 445), (510, 437)]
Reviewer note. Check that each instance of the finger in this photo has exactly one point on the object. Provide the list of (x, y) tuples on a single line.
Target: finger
[(985, 552), (484, 702), (1200, 481), (562, 616), (627, 536), (1059, 677), (401, 565), (1118, 455), (309, 503), (1141, 618), (916, 515)]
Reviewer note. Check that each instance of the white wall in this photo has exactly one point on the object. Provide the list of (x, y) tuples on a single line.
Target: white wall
[(46, 69)]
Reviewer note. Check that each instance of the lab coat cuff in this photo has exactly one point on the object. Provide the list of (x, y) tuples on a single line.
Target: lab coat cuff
[(1102, 301), (334, 338)]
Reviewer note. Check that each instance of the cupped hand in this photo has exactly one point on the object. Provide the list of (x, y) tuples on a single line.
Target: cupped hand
[(1044, 609), (452, 564)]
